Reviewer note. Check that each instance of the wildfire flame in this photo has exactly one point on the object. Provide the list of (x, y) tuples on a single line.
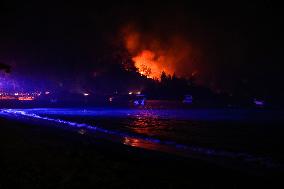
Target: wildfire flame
[(152, 56), (151, 65)]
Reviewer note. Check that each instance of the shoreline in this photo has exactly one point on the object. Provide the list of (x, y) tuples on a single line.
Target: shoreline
[(256, 165), (46, 149)]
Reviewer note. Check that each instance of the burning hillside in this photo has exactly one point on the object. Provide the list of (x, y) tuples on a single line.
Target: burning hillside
[(153, 55)]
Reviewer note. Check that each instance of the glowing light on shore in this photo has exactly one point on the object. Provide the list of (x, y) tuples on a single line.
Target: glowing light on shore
[(26, 98)]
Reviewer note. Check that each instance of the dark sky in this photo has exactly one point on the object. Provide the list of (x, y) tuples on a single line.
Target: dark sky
[(239, 42)]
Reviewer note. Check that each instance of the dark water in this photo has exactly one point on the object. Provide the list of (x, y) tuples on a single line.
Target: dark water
[(252, 131)]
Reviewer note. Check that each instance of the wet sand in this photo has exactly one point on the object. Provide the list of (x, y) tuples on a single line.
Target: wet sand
[(45, 157)]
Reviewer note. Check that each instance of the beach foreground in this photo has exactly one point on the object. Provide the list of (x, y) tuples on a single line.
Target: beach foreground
[(34, 156)]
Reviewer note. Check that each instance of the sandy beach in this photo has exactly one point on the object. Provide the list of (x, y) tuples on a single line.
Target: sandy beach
[(33, 156)]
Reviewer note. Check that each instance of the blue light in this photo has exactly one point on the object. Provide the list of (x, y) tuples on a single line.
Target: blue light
[(131, 139), (259, 103)]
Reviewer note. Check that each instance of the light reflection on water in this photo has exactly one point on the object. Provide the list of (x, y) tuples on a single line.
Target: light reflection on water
[(233, 129), (133, 142), (145, 125), (165, 130), (145, 144), (229, 129)]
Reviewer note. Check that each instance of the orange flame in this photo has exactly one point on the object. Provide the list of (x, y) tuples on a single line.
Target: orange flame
[(152, 55), (151, 65)]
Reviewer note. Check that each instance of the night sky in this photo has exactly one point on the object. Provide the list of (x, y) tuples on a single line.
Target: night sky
[(234, 43)]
